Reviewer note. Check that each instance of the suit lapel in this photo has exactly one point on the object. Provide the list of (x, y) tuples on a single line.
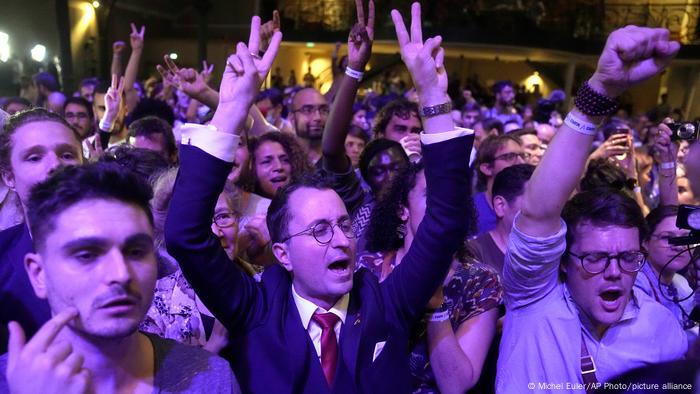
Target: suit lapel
[(297, 339), (352, 330)]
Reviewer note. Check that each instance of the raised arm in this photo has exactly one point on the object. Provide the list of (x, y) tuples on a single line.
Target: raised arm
[(206, 159), (631, 55), (132, 67), (665, 157), (446, 151), (117, 68), (359, 50)]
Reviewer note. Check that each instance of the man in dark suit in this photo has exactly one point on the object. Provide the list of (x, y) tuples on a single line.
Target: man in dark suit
[(313, 324), (33, 145)]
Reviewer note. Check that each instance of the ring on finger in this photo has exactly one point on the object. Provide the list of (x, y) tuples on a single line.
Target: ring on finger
[(255, 56)]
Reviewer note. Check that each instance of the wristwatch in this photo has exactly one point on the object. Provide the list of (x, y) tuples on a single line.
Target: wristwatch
[(435, 110)]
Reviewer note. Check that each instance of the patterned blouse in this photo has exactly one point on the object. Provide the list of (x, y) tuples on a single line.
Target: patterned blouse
[(473, 289), (176, 312)]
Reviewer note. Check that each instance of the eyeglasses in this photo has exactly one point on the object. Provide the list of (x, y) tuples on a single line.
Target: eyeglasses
[(512, 156), (323, 231), (225, 219), (310, 109), (79, 115), (597, 262)]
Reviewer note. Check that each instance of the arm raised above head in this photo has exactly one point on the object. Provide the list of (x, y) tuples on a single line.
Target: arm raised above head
[(631, 55)]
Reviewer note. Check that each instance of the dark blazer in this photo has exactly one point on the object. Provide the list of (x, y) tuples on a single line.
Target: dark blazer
[(274, 353), (17, 297)]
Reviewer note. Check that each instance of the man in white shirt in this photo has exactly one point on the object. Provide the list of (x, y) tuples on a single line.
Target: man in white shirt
[(572, 319)]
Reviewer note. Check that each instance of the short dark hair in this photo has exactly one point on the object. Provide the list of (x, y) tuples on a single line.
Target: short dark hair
[(359, 133), (279, 214), (603, 173), (602, 207), (151, 107), (656, 215), (15, 100), (273, 94), (500, 85), (510, 183), (471, 107), (151, 125), (145, 163), (492, 123), (372, 149), (79, 101), (399, 107), (23, 118), (487, 151), (521, 132), (46, 80), (73, 184)]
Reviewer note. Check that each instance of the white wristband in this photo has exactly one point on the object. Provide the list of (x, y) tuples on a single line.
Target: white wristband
[(106, 124), (669, 165), (354, 73), (637, 189), (580, 125), (438, 316)]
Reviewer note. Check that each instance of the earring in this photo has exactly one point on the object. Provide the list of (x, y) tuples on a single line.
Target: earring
[(401, 230)]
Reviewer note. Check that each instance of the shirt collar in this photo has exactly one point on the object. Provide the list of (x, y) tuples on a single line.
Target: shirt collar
[(307, 308)]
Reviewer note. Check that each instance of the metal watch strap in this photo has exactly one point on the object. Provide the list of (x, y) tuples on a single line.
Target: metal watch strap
[(435, 110)]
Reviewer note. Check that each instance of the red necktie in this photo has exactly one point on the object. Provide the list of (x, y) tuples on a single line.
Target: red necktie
[(329, 343)]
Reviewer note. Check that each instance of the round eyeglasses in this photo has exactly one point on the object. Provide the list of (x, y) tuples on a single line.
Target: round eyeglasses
[(323, 231), (597, 262)]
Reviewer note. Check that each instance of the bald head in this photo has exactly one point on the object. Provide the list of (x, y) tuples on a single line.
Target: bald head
[(309, 113), (55, 102)]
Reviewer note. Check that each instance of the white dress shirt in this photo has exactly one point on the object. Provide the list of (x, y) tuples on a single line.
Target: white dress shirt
[(306, 311)]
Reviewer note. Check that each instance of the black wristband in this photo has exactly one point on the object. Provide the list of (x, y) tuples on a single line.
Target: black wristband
[(592, 103)]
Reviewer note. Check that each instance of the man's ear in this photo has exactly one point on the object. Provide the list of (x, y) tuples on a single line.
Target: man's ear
[(499, 206), (34, 266), (486, 169), (8, 179), (281, 252)]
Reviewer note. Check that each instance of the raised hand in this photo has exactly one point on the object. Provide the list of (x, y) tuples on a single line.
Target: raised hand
[(188, 80), (631, 55), (665, 151), (361, 37), (424, 60), (136, 37), (206, 71), (43, 365), (118, 47), (113, 98), (245, 70), (244, 73), (268, 29)]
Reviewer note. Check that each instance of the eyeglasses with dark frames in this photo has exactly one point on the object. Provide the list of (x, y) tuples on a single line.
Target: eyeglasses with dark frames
[(225, 219), (597, 262), (311, 109), (323, 231)]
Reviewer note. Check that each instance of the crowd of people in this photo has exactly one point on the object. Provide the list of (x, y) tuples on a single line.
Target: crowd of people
[(166, 236)]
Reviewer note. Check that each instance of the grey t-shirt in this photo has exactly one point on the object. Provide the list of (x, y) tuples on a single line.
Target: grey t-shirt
[(178, 369)]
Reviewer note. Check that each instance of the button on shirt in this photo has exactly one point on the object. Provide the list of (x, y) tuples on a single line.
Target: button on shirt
[(306, 311), (541, 342)]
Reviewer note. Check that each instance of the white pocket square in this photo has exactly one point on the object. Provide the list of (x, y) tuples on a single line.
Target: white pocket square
[(378, 349)]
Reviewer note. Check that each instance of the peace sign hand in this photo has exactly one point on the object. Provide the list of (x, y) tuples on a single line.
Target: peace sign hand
[(245, 70), (268, 29), (244, 73), (361, 38), (136, 37), (424, 60), (113, 98)]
